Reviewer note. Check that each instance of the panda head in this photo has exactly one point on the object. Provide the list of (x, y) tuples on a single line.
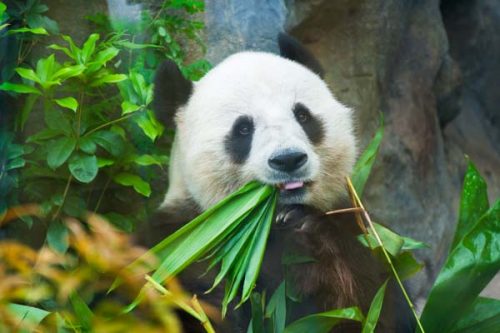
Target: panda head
[(256, 116)]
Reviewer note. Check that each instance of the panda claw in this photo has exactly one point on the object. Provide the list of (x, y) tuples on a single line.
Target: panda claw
[(290, 217)]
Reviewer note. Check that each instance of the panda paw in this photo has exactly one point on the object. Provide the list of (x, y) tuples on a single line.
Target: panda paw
[(290, 216)]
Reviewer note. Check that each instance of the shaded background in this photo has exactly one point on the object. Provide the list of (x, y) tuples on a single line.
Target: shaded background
[(431, 67)]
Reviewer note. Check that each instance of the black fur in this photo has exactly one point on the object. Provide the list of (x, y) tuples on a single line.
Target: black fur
[(310, 124), (171, 91), (238, 142), (292, 49)]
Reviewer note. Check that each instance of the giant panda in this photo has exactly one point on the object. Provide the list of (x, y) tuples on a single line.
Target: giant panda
[(272, 118)]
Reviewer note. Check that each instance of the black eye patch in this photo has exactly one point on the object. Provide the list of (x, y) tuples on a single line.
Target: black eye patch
[(238, 141), (312, 126)]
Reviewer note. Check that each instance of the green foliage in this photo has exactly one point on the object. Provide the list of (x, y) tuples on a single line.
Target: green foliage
[(472, 263), (87, 115), (25, 24)]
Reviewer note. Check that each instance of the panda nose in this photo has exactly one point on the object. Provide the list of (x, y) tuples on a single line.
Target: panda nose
[(288, 162)]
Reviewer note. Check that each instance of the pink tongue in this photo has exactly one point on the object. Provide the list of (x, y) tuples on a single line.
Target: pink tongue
[(293, 186)]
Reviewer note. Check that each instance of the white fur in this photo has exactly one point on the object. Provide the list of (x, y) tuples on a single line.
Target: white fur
[(265, 87)]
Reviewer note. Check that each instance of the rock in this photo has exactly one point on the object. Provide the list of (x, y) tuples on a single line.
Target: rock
[(235, 25)]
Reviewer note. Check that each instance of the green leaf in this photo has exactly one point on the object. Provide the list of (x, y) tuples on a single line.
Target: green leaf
[(128, 107), (109, 140), (28, 74), (68, 72), (128, 179), (35, 31), (146, 160), (87, 145), (371, 319), (89, 47), (406, 265), (43, 135), (106, 55), (59, 151), (482, 316), (57, 237), (276, 309), (108, 78), (393, 242), (257, 313), (68, 103), (473, 262), (44, 69), (365, 162), (19, 88), (150, 126), (83, 313), (473, 203), (63, 49), (83, 167), (325, 321), (57, 120), (26, 315), (104, 162)]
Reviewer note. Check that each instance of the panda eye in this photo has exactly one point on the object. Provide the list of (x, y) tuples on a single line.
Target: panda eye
[(302, 116), (244, 129)]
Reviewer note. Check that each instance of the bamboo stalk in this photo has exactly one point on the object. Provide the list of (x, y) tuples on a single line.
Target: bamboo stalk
[(387, 257)]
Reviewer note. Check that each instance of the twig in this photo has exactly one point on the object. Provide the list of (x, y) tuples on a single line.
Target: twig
[(387, 257), (345, 210)]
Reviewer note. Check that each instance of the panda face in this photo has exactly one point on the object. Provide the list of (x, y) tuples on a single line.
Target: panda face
[(258, 116)]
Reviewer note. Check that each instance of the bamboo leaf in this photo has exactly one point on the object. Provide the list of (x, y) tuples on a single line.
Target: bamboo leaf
[(325, 321), (364, 165), (471, 265), (276, 309), (473, 203), (482, 316), (371, 319)]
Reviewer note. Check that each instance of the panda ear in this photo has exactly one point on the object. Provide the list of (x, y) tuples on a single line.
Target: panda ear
[(171, 91), (292, 49)]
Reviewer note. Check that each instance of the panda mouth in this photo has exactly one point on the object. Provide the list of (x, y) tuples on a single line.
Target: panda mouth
[(290, 186), (292, 192)]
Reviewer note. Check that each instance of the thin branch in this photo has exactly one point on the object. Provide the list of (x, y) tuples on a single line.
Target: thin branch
[(108, 124)]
